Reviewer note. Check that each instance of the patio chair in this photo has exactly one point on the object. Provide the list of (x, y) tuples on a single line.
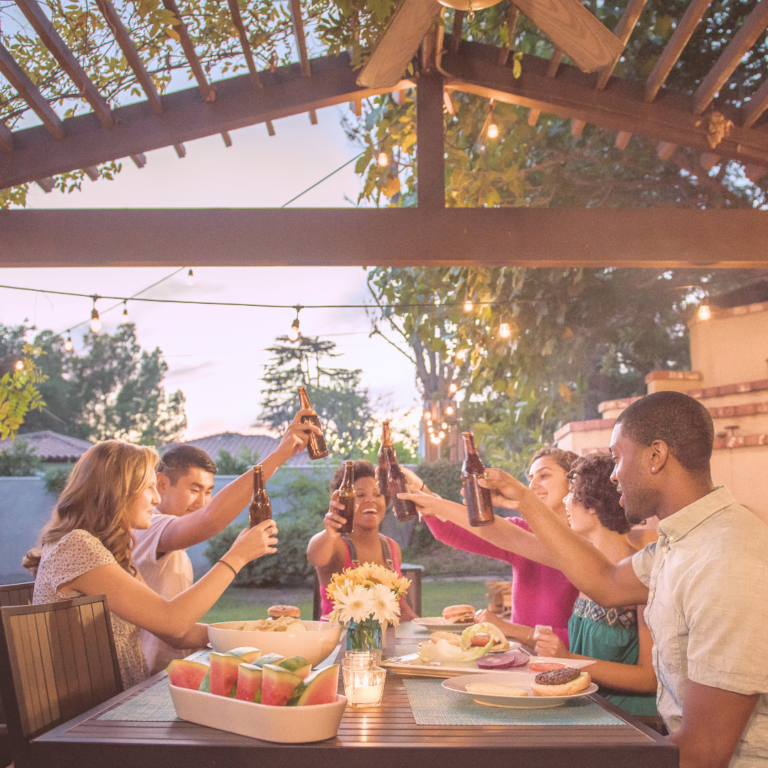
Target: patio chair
[(57, 660)]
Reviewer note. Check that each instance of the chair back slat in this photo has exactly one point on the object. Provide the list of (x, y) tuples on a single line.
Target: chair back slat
[(56, 661), (17, 594)]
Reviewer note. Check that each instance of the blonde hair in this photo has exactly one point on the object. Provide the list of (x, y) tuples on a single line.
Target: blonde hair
[(97, 498)]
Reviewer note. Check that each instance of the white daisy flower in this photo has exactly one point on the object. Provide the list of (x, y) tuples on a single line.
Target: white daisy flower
[(384, 603), (355, 605)]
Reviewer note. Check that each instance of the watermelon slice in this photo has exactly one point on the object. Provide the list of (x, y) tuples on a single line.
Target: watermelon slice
[(246, 653), (278, 685), (296, 664), (269, 658), (186, 674), (249, 678), (223, 673), (205, 683), (321, 687)]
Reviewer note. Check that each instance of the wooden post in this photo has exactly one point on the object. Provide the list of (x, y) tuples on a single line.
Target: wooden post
[(430, 147)]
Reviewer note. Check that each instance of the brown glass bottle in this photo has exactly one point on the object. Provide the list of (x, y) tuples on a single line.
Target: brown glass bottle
[(316, 447), (347, 497), (404, 508), (386, 439), (260, 508), (478, 499)]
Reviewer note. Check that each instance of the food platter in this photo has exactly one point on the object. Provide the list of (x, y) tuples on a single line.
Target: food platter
[(436, 623), (515, 679), (412, 666)]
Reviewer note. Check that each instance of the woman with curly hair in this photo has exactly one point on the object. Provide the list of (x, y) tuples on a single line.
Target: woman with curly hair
[(616, 638), (86, 550)]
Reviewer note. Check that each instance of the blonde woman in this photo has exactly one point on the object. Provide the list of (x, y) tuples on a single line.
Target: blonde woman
[(86, 550)]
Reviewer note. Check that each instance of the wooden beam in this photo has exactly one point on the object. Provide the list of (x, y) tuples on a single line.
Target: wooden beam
[(430, 143), (237, 20), (114, 22), (6, 138), (554, 64), (623, 31), (139, 160), (301, 45), (92, 172), (47, 185), (458, 22), (708, 160), (756, 106), (227, 139), (671, 53), (665, 150), (622, 139), (511, 27), (66, 59), (742, 41), (28, 91), (138, 130), (534, 237), (209, 93), (619, 107), (181, 150)]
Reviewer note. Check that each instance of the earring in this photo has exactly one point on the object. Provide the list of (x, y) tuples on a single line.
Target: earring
[(653, 469)]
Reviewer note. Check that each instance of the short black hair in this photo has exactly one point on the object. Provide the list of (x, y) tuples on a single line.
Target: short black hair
[(361, 467), (682, 422), (591, 487), (177, 461)]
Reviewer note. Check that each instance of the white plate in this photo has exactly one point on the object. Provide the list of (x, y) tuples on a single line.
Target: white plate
[(286, 725), (515, 679), (436, 623), (413, 666)]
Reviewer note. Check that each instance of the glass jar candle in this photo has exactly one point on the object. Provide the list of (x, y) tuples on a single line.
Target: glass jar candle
[(364, 687)]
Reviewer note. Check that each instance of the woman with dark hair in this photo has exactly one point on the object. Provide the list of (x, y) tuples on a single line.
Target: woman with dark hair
[(331, 551), (617, 638), (540, 594)]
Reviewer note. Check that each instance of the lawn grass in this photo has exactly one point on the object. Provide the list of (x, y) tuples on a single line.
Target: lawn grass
[(239, 603)]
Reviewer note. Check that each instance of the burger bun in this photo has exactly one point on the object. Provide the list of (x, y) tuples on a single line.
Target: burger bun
[(276, 611), (459, 614), (582, 682)]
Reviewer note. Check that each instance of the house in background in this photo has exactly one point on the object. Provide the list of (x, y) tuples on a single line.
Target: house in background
[(729, 375), (51, 447), (234, 443)]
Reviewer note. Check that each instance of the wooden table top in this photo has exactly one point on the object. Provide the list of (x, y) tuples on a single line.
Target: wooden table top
[(390, 731)]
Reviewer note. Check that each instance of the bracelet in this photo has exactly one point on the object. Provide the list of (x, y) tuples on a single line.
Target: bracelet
[(224, 562)]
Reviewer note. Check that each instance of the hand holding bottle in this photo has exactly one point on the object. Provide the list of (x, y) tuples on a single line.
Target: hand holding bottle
[(253, 543)]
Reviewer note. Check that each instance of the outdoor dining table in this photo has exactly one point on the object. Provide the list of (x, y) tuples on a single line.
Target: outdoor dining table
[(385, 737)]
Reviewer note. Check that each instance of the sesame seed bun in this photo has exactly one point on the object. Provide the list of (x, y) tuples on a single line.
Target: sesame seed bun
[(276, 611)]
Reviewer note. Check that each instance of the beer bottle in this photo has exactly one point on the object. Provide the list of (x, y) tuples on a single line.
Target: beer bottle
[(347, 497), (260, 508), (316, 447), (478, 499), (386, 438), (404, 508)]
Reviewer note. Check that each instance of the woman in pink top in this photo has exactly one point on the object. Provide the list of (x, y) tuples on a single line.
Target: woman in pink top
[(331, 552), (540, 594)]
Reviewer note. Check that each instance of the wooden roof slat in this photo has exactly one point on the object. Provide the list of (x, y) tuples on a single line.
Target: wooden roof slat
[(227, 139), (301, 45), (756, 106), (139, 160), (511, 27), (28, 91), (66, 59), (209, 93), (6, 138), (47, 184), (623, 31), (456, 29), (181, 150), (554, 64), (671, 53), (131, 54), (730, 58), (92, 172)]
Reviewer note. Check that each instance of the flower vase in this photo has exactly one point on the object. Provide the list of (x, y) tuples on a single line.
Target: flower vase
[(366, 635)]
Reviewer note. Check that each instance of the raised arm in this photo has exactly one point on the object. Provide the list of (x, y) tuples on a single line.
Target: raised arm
[(226, 505), (324, 545), (584, 566)]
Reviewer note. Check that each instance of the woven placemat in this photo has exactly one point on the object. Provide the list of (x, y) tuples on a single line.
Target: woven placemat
[(434, 705), (152, 705)]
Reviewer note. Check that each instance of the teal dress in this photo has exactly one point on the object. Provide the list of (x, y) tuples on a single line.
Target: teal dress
[(609, 634)]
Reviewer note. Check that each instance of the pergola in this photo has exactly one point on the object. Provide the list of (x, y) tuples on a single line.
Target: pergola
[(447, 63)]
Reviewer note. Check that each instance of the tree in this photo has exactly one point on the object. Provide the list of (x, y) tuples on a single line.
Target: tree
[(113, 389), (20, 381), (227, 464), (20, 460), (335, 393)]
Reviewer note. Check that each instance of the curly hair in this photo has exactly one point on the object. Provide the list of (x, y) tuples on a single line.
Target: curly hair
[(564, 459), (591, 487), (362, 468), (97, 498)]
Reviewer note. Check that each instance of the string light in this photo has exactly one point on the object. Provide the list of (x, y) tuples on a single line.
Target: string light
[(19, 365), (705, 312), (125, 309), (293, 333), (95, 319), (468, 305), (461, 354), (190, 277), (453, 388), (493, 131), (383, 159), (427, 414), (68, 345), (441, 434), (504, 330), (449, 410)]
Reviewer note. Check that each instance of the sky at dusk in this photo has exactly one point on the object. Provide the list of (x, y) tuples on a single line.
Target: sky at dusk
[(216, 355)]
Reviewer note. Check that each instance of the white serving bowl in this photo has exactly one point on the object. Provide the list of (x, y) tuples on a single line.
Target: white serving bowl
[(287, 725), (314, 645)]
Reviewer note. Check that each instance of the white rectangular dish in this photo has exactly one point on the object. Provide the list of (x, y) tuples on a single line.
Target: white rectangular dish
[(413, 666), (286, 725)]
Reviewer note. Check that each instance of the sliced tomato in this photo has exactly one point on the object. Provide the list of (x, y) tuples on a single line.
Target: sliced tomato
[(544, 666)]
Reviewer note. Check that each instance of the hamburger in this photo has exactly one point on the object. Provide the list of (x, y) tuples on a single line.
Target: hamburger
[(276, 611), (459, 614), (560, 682)]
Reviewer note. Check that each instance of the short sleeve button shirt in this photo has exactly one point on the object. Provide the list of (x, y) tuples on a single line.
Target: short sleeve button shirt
[(707, 579)]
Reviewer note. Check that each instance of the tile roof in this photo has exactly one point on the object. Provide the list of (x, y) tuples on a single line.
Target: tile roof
[(51, 446), (234, 442)]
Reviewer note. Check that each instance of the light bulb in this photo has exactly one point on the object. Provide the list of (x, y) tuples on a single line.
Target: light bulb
[(453, 388), (429, 421), (705, 313), (493, 131), (461, 354), (19, 365), (95, 321), (293, 333), (125, 310), (68, 345), (441, 434), (383, 159), (435, 441), (427, 415), (468, 306), (449, 410), (190, 277), (505, 331), (444, 425)]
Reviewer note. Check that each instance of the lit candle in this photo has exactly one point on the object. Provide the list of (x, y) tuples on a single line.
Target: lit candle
[(364, 694), (364, 687)]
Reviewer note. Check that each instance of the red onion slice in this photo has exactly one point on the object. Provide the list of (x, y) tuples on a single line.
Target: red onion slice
[(505, 660)]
